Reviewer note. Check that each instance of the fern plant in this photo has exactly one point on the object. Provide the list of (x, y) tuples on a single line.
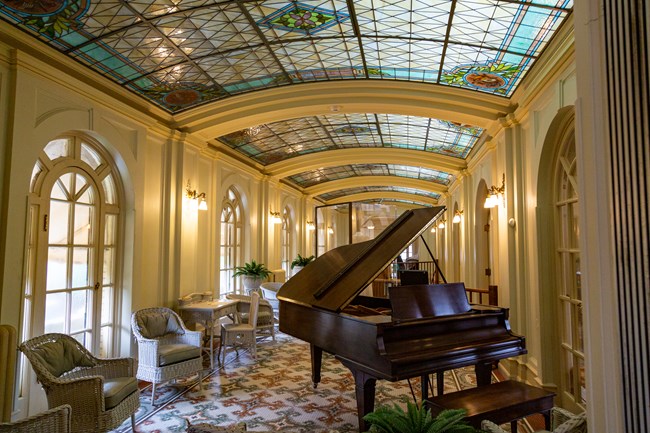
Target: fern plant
[(417, 419)]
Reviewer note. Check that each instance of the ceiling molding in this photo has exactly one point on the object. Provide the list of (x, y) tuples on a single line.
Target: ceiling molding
[(333, 158), (357, 96), (357, 181)]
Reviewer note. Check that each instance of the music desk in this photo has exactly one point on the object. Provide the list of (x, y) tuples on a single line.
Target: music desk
[(208, 314)]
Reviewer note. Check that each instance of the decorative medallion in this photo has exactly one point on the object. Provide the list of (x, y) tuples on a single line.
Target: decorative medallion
[(52, 18), (463, 128), (353, 130), (183, 95), (491, 77), (302, 18)]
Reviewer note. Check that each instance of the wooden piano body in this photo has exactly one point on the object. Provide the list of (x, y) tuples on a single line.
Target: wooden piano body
[(432, 328)]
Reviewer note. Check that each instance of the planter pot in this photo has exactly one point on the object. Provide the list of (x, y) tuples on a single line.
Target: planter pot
[(252, 283), (295, 270)]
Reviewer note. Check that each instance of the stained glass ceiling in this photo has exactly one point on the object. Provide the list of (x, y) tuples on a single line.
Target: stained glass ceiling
[(278, 141), (180, 54)]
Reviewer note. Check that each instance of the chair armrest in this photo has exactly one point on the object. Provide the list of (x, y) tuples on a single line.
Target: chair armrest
[(148, 351), (112, 368), (87, 392)]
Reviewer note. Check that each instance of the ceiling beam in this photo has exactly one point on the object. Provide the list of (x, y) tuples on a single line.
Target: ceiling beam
[(337, 157), (387, 195), (359, 181)]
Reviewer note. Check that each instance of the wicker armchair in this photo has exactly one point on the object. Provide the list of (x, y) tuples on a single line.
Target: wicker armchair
[(56, 420), (265, 316), (270, 292), (167, 349), (101, 392)]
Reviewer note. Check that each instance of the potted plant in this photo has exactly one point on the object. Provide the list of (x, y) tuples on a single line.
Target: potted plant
[(300, 262), (417, 419), (253, 274)]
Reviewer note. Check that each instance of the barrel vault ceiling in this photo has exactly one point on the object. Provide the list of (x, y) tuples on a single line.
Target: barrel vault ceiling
[(189, 56)]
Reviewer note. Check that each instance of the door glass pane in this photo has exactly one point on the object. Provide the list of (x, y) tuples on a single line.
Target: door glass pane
[(57, 268), (55, 312), (82, 214), (107, 274), (58, 148), (80, 310), (80, 264), (59, 191), (90, 157), (109, 231), (109, 189), (80, 185), (58, 222), (107, 302)]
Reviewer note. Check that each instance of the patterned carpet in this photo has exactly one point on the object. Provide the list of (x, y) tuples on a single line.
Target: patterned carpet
[(273, 393)]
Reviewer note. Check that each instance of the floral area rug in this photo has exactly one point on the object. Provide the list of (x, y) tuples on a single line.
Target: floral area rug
[(274, 393)]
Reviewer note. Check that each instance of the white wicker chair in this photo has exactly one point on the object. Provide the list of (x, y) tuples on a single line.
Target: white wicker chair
[(270, 293), (242, 334), (167, 349), (101, 392), (56, 420), (265, 314)]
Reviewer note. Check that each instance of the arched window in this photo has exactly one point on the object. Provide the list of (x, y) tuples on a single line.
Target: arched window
[(74, 244), (567, 249), (231, 238), (286, 241)]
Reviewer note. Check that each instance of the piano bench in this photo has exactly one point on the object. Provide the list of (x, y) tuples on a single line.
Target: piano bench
[(499, 402)]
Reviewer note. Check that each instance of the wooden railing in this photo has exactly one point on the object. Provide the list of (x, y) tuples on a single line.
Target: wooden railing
[(389, 277)]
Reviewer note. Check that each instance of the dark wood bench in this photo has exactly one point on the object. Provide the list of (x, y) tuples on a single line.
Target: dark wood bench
[(499, 402)]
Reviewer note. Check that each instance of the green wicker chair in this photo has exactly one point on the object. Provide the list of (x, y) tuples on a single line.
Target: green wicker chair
[(56, 420), (101, 392)]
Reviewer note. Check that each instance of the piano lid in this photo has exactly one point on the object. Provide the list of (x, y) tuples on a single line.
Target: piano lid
[(334, 279)]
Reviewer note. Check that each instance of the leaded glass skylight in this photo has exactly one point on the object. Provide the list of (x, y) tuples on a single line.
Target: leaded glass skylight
[(183, 53), (325, 174), (289, 138)]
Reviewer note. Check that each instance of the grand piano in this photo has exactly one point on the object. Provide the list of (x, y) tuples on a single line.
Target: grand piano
[(418, 330)]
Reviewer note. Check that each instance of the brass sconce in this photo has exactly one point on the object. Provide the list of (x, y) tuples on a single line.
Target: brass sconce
[(457, 217), (495, 194), (275, 217), (442, 224), (195, 195), (310, 225), (330, 230)]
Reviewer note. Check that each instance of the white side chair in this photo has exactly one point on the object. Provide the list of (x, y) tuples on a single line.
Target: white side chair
[(167, 349), (242, 334)]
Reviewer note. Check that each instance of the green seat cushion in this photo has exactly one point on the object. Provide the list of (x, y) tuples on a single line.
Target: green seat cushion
[(116, 390), (157, 324), (61, 356), (173, 353), (263, 317)]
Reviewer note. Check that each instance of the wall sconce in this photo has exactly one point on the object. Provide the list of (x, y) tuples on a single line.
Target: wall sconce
[(441, 224), (194, 195), (310, 225), (275, 217), (330, 230), (457, 217), (495, 194), (433, 229), (370, 226)]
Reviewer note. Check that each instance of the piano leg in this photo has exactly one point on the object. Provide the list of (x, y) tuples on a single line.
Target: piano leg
[(364, 386), (424, 385), (483, 373), (316, 363)]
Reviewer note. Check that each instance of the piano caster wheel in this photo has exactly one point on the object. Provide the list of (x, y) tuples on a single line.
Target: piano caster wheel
[(315, 384)]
